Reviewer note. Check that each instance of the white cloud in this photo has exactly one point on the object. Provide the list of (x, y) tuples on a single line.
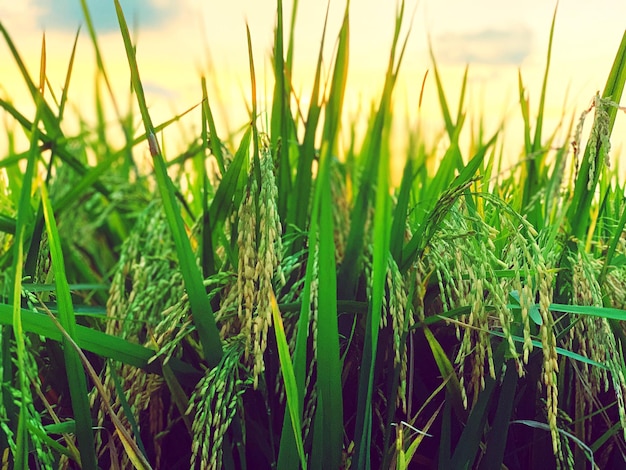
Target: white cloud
[(488, 46)]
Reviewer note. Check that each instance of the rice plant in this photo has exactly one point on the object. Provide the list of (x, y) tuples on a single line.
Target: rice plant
[(277, 302)]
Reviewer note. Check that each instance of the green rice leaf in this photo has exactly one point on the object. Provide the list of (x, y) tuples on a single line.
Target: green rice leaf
[(97, 342), (23, 234), (398, 227), (202, 313), (299, 209), (446, 369), (382, 224), (281, 115), (497, 437), (77, 381), (468, 444), (329, 366), (599, 312), (289, 378)]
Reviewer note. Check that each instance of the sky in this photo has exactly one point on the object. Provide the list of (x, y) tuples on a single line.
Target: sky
[(180, 40)]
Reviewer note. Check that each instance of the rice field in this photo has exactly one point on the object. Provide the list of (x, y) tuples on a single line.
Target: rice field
[(269, 299)]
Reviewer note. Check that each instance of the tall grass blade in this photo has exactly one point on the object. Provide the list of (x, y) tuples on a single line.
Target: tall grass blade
[(288, 455), (468, 445), (66, 86), (382, 220), (253, 118), (372, 150), (398, 226), (200, 189), (23, 234), (77, 382), (281, 115), (99, 61), (291, 388), (535, 154), (202, 313), (374, 165), (97, 342), (496, 440), (445, 109), (299, 209), (329, 366), (453, 386), (46, 115), (215, 143), (613, 246)]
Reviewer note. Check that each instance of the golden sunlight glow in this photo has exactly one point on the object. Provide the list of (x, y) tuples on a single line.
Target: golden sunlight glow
[(193, 38)]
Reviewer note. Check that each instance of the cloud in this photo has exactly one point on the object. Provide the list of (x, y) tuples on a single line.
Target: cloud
[(488, 46), (68, 14), (155, 89)]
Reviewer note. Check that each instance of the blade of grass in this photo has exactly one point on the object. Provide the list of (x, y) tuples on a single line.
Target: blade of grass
[(51, 443), (179, 397), (299, 201), (77, 382), (281, 115), (289, 378), (599, 312), (97, 342), (253, 114), (99, 60), (445, 109), (230, 192), (382, 222), (202, 313), (468, 444), (560, 351), (398, 227), (66, 86), (126, 409), (350, 267), (24, 225), (535, 154), (619, 229), (7, 224), (214, 142), (446, 369), (445, 440), (328, 362), (496, 440), (543, 426), (377, 162), (334, 106), (46, 116)]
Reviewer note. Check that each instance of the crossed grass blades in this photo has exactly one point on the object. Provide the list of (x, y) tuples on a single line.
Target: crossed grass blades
[(293, 308)]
